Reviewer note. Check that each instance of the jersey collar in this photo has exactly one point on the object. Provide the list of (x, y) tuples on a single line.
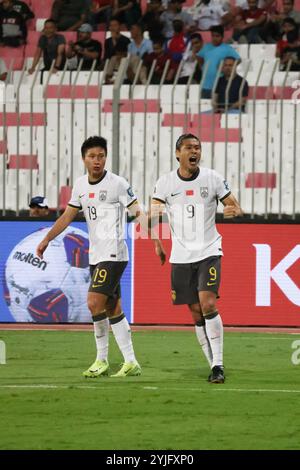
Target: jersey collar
[(191, 178), (100, 179)]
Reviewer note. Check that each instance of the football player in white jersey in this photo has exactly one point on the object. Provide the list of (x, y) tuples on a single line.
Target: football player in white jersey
[(103, 197), (190, 196)]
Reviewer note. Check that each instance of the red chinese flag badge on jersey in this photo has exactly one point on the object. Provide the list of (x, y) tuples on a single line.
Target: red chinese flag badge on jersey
[(91, 195), (189, 192)]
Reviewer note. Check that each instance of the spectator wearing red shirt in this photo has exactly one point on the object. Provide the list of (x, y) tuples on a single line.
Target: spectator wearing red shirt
[(177, 44), (161, 58), (249, 23), (288, 25)]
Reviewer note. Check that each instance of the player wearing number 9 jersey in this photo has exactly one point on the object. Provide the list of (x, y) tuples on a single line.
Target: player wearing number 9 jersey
[(190, 196), (103, 197)]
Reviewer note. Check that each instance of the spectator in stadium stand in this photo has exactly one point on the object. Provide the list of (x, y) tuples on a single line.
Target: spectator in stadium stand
[(52, 46), (23, 9), (208, 13), (213, 53), (175, 12), (115, 40), (38, 207), (273, 28), (287, 26), (249, 23), (161, 58), (235, 104), (189, 59), (127, 11), (100, 11), (177, 44), (84, 48), (13, 29), (69, 14), (138, 47), (291, 52), (151, 20), (120, 52), (3, 70)]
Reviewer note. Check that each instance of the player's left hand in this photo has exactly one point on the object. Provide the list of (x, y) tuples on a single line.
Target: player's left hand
[(159, 250), (230, 211)]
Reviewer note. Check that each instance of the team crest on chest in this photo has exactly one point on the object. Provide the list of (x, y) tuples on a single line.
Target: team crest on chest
[(204, 191), (102, 196)]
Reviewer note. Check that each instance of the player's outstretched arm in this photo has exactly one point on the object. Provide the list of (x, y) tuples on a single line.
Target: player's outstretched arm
[(232, 207), (157, 210), (142, 218), (60, 225)]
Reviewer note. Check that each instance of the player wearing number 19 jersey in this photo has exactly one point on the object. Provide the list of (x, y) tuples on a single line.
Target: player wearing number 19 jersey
[(190, 196), (103, 197)]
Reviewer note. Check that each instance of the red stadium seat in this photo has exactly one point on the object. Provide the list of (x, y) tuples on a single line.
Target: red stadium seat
[(23, 119), (23, 162), (33, 37), (180, 120), (136, 106), (41, 8), (64, 196), (68, 92), (13, 56), (260, 180)]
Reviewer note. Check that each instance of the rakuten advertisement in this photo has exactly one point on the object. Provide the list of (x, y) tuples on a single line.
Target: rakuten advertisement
[(260, 280)]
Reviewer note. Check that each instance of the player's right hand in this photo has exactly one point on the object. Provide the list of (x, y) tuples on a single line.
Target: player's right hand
[(41, 248), (159, 250)]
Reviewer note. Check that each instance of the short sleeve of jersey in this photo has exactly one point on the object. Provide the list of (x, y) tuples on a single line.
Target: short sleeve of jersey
[(75, 201), (126, 194), (222, 187), (159, 192)]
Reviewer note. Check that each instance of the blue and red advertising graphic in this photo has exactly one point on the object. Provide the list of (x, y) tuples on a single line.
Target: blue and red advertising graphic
[(260, 279), (54, 289)]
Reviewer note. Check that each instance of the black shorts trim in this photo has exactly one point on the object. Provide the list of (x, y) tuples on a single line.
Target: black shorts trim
[(75, 207)]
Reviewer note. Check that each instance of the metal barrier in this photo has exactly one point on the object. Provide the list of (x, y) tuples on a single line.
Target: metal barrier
[(257, 150)]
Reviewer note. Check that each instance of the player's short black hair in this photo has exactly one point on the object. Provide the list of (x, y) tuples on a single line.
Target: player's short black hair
[(94, 141), (184, 137)]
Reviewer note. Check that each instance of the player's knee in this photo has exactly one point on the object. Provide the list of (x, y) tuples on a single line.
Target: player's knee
[(93, 306), (208, 306)]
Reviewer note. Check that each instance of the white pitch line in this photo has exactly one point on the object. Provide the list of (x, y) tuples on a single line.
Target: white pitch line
[(213, 388)]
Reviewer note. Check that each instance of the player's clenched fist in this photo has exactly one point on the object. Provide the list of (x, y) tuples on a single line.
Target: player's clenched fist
[(230, 211)]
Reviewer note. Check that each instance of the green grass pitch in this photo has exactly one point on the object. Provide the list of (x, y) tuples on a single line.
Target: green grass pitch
[(47, 404)]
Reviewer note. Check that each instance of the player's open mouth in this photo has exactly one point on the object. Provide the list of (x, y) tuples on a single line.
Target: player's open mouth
[(193, 159)]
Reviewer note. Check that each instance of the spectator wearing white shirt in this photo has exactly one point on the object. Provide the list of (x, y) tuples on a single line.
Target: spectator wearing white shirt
[(210, 13), (191, 62)]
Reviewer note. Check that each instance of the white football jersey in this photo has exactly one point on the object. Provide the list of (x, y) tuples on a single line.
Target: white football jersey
[(103, 204), (191, 205)]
